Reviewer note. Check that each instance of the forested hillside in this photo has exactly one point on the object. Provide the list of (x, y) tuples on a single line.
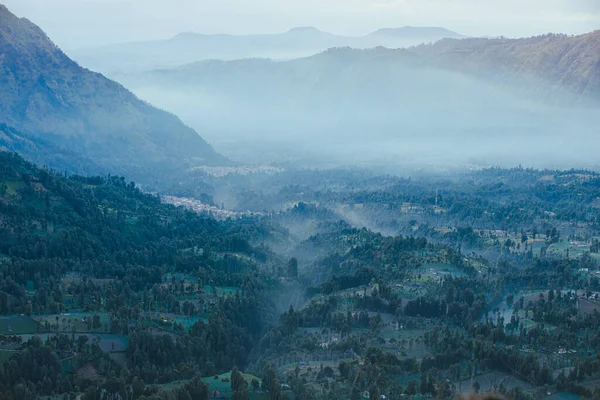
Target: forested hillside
[(100, 248), (414, 223), (104, 289), (50, 98)]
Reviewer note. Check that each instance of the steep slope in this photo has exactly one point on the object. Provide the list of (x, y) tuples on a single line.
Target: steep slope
[(58, 232), (48, 96), (187, 48), (41, 151), (563, 63)]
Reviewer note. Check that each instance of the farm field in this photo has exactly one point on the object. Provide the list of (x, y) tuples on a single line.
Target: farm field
[(575, 248), (222, 290), (489, 382), (68, 321), (587, 306), (17, 325), (441, 269), (562, 396)]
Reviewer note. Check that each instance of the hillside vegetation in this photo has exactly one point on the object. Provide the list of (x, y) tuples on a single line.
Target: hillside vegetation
[(49, 97)]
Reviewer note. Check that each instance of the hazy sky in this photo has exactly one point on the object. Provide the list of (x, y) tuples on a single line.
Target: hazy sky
[(82, 23)]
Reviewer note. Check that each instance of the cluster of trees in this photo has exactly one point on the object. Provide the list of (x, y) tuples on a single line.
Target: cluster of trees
[(99, 244), (36, 370), (556, 309), (208, 348), (461, 301)]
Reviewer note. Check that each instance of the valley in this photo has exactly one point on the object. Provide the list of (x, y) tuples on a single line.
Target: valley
[(410, 213)]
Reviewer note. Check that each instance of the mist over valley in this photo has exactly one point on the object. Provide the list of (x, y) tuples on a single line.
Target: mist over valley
[(408, 214), (420, 106)]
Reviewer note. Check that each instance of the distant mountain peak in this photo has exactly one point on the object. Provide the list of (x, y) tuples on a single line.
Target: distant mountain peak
[(305, 30), (184, 34), (187, 36), (299, 30)]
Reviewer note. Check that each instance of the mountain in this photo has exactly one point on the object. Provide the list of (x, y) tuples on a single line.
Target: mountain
[(455, 100), (408, 36), (50, 100), (554, 65), (43, 152), (564, 63), (418, 32), (187, 48)]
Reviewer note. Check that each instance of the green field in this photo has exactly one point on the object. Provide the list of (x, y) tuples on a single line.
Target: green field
[(562, 396), (441, 269), (222, 290), (12, 187), (68, 321), (560, 249), (527, 323), (17, 325), (402, 333)]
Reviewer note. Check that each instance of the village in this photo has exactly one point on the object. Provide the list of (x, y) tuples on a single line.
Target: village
[(202, 208)]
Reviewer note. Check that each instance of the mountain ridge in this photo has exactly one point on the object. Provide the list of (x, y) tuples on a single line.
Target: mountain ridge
[(49, 96), (417, 30), (564, 62), (299, 29), (189, 47), (428, 99), (569, 65)]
